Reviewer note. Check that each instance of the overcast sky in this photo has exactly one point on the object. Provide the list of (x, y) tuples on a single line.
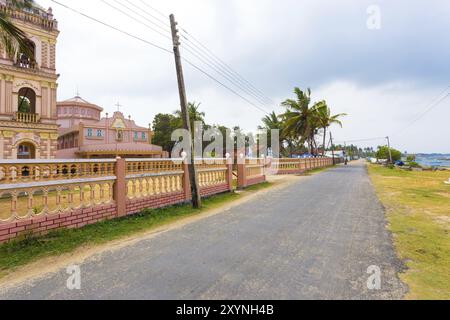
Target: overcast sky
[(383, 77)]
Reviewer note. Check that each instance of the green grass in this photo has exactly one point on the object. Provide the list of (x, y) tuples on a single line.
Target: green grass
[(318, 170), (25, 251), (418, 210)]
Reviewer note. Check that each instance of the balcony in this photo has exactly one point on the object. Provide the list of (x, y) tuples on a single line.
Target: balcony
[(44, 20), (24, 117)]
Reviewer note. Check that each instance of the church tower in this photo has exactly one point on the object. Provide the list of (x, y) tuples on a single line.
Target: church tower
[(28, 128)]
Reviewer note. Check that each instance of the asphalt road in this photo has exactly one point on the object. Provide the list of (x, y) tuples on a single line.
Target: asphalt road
[(314, 239)]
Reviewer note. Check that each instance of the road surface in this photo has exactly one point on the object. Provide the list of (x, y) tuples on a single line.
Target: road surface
[(313, 239)]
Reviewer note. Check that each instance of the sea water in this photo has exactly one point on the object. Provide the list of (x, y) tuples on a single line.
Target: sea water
[(434, 160)]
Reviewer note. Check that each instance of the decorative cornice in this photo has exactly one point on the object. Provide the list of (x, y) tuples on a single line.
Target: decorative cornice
[(34, 126), (35, 72)]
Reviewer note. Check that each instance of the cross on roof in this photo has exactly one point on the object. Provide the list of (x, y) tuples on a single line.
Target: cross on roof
[(118, 105)]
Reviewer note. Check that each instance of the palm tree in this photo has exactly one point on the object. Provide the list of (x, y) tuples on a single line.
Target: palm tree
[(300, 118), (13, 39), (273, 122), (325, 120), (195, 115)]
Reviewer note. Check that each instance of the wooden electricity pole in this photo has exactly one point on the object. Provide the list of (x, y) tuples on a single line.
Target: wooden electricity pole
[(389, 148), (196, 198), (332, 147)]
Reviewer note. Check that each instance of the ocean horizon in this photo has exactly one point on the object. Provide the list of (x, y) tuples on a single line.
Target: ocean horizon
[(434, 160)]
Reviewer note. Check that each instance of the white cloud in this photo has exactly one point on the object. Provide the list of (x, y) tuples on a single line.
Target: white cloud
[(380, 78)]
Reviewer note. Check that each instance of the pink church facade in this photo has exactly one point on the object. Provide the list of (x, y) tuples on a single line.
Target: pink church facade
[(83, 133)]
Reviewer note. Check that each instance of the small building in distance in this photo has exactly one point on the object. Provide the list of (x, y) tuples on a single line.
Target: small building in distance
[(83, 133)]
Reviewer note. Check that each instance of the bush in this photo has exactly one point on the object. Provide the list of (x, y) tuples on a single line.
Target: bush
[(414, 164), (383, 153), (411, 158)]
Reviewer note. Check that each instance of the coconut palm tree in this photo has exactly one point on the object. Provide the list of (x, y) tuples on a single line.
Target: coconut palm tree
[(13, 39), (195, 115), (273, 122), (300, 118), (324, 119)]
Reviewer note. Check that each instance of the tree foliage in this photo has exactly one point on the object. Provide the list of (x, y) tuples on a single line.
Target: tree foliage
[(301, 123), (13, 39), (383, 153)]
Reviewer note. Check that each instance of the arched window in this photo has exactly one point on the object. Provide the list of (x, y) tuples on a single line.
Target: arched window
[(26, 151), (27, 101)]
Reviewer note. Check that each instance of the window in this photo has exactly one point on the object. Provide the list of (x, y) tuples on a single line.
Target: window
[(99, 133), (144, 136), (136, 136), (26, 151), (27, 100), (90, 132)]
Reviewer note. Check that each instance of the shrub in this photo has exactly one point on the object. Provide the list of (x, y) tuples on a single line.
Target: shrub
[(383, 153), (414, 164)]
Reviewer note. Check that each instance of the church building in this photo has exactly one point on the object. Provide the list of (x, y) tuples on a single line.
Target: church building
[(83, 133), (28, 128), (34, 126)]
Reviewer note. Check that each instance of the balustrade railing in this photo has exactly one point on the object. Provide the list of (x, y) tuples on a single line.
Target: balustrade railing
[(21, 15), (212, 172), (24, 117), (286, 166), (255, 168), (28, 202), (25, 171)]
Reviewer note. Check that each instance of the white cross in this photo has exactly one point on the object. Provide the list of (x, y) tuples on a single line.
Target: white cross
[(118, 105)]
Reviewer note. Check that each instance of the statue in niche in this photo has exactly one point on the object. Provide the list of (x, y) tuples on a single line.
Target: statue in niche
[(119, 135)]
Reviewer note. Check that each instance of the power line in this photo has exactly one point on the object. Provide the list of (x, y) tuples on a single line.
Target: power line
[(159, 47), (201, 55), (196, 54), (435, 103), (154, 9), (227, 74), (164, 27), (219, 63), (164, 22), (428, 110), (220, 71), (224, 85), (361, 140), (133, 18), (112, 27), (225, 64)]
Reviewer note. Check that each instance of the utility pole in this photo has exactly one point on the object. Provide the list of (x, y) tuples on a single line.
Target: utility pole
[(332, 147), (389, 148), (196, 198)]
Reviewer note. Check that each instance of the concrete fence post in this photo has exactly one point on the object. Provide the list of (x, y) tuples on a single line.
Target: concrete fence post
[(242, 178), (120, 187)]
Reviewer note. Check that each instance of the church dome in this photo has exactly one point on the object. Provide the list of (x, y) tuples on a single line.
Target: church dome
[(78, 108)]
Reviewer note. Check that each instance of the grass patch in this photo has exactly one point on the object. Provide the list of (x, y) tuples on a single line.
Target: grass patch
[(317, 170), (22, 252), (258, 187), (418, 209)]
